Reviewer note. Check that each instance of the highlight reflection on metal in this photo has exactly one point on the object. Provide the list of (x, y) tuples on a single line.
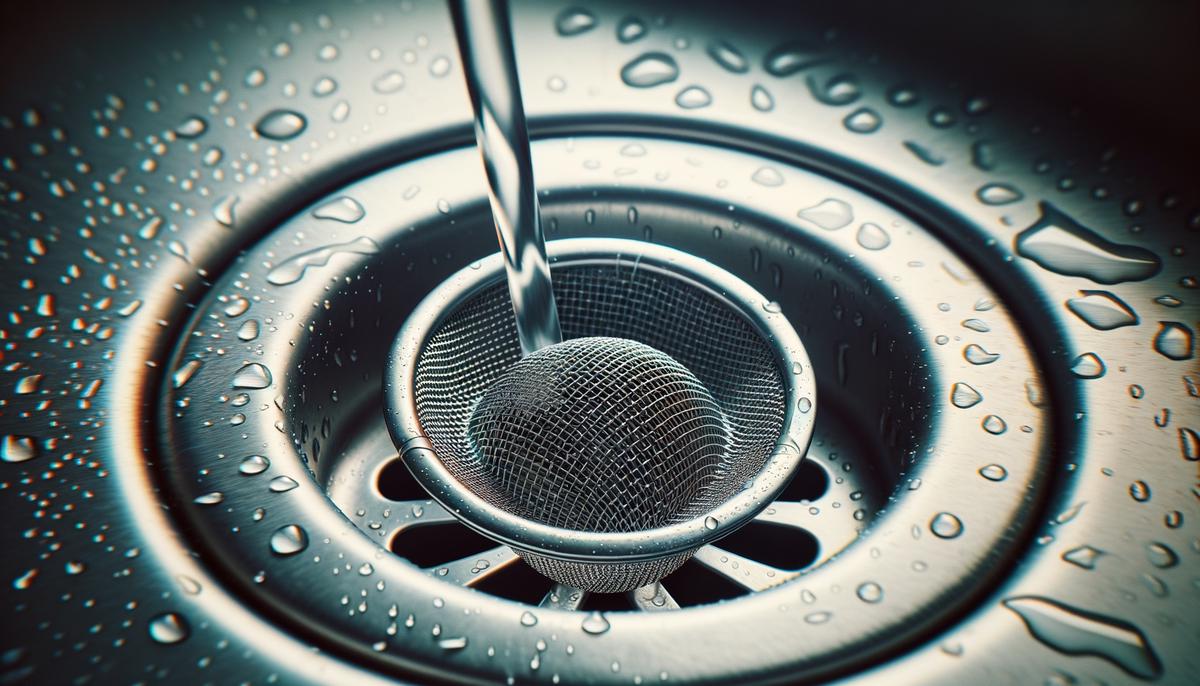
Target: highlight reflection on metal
[(213, 232), (432, 434)]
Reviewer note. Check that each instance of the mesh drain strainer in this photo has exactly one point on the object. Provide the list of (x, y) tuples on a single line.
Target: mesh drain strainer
[(661, 423)]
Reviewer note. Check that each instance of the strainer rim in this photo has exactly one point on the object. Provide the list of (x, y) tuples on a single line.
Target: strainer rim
[(421, 459)]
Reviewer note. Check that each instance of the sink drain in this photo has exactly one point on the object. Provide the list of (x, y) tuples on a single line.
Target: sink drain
[(200, 487)]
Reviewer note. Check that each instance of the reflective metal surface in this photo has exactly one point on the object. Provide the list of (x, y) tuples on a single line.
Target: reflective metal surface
[(161, 194)]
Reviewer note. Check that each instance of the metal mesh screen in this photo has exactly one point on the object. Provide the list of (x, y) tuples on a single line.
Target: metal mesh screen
[(477, 343)]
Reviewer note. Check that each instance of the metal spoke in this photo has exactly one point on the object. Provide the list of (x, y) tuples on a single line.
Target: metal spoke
[(833, 529), (472, 569), (563, 598), (652, 598), (751, 575)]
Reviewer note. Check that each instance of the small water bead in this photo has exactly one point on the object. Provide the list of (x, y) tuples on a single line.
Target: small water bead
[(978, 355), (711, 523), (255, 78), (963, 395), (1174, 341), (818, 617), (728, 57), (281, 125), (1102, 310), (830, 214), (994, 425), (993, 472), (767, 176), (946, 525), (1085, 556), (977, 325), (1088, 366), (998, 194), (870, 592), (18, 448), (941, 118), (340, 111), (1161, 555), (223, 211), (248, 331), (804, 405), (528, 619), (213, 498), (873, 237), (324, 86), (169, 628), (192, 127), (772, 307), (289, 540), (252, 376), (1139, 491), (902, 96), (455, 643), (863, 120), (282, 484), (630, 29), (345, 209), (389, 82), (693, 98), (761, 98), (1168, 301), (1189, 444), (841, 89), (236, 307), (574, 21), (789, 58), (1173, 519), (556, 84), (255, 464)]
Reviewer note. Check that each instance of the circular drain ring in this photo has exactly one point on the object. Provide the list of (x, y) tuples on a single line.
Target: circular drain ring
[(451, 614)]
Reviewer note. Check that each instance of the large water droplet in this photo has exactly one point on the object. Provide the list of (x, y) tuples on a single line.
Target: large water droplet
[(963, 395), (1073, 631), (595, 623), (993, 472), (649, 70), (1174, 341), (252, 375), (574, 21), (289, 540), (281, 125), (528, 619), (282, 484), (976, 354), (255, 464), (18, 449), (344, 209), (870, 592), (168, 628), (946, 525), (994, 425), (293, 269), (1102, 310), (1062, 245), (828, 214), (873, 237)]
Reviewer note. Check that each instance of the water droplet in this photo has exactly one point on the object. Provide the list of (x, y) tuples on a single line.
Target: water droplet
[(630, 29), (255, 78), (255, 464), (710, 523), (1139, 491), (1174, 341), (595, 623), (728, 57), (863, 120), (976, 354), (946, 525), (192, 127), (804, 405), (282, 484), (281, 125), (168, 628), (1062, 245), (293, 269), (693, 98), (993, 472), (454, 643), (1189, 444), (1088, 366), (574, 21), (389, 82), (1102, 310), (18, 449), (873, 237), (344, 209), (818, 617), (994, 425), (841, 89), (925, 153), (870, 592), (252, 375), (528, 619), (761, 99), (650, 69), (248, 331), (324, 86), (998, 194), (1084, 556), (1161, 555), (767, 176), (963, 395), (289, 540), (223, 210), (790, 58), (1073, 631), (772, 307), (212, 498), (828, 214)]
